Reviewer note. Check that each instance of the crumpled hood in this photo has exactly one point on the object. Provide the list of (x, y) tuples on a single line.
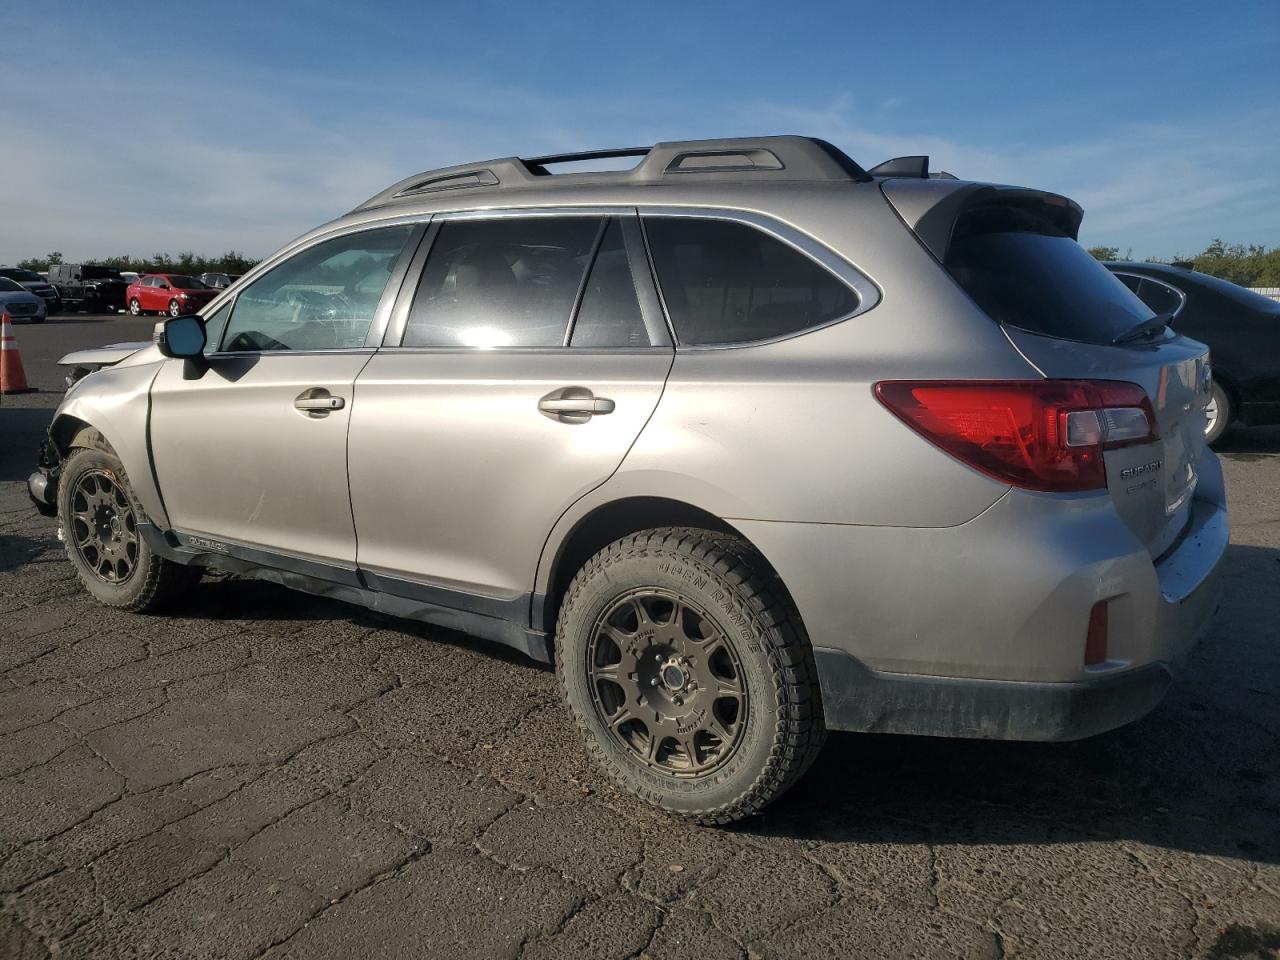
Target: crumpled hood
[(106, 356)]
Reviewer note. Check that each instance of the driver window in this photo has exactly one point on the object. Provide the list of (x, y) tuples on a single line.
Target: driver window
[(323, 298)]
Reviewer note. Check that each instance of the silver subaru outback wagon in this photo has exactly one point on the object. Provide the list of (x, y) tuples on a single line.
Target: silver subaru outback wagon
[(751, 442)]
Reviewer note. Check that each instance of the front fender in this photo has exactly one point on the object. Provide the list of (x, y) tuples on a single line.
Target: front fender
[(116, 401)]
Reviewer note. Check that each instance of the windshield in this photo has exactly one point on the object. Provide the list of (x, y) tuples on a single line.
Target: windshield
[(186, 283), (27, 275), (1044, 282), (10, 286)]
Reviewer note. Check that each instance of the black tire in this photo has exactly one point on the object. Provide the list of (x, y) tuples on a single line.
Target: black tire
[(151, 582), (1225, 411), (727, 587)]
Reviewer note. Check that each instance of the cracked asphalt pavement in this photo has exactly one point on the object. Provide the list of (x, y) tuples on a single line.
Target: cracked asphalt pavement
[(274, 775)]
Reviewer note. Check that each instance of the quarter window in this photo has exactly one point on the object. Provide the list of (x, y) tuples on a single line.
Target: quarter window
[(508, 282), (725, 282), (323, 298), (213, 327)]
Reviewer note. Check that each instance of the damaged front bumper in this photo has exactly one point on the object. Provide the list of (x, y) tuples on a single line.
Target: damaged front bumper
[(42, 485)]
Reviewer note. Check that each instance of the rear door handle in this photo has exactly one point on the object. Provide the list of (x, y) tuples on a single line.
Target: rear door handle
[(574, 405), (318, 402)]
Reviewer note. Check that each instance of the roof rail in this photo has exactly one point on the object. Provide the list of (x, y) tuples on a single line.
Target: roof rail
[(740, 159), (538, 165)]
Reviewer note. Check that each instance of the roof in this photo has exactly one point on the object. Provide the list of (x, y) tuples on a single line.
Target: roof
[(744, 159)]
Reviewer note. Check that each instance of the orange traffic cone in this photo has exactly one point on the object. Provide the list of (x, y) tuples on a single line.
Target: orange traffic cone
[(13, 379)]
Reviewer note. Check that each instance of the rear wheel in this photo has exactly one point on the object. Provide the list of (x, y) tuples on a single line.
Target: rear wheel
[(135, 307), (1218, 414), (100, 515), (689, 671)]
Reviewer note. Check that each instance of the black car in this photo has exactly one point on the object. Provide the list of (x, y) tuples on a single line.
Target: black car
[(1240, 327)]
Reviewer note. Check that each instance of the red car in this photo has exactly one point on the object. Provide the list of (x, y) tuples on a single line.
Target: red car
[(171, 293)]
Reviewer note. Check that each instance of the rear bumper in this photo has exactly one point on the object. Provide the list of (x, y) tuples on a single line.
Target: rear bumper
[(979, 630), (856, 698)]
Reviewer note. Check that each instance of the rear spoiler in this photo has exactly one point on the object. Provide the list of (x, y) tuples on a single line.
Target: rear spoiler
[(932, 208)]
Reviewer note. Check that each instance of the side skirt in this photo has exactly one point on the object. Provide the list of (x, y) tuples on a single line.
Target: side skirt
[(445, 608)]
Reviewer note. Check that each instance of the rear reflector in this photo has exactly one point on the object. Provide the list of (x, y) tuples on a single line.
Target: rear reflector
[(1044, 435), (1095, 641)]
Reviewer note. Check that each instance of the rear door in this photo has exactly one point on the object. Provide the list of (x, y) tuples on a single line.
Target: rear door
[(1065, 312), (515, 377)]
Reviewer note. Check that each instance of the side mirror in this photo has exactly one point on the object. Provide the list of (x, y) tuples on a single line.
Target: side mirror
[(181, 337)]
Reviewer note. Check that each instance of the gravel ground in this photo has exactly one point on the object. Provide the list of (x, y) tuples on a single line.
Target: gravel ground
[(275, 775)]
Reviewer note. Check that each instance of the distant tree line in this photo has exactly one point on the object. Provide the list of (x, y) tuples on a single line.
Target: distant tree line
[(1252, 265), (187, 262)]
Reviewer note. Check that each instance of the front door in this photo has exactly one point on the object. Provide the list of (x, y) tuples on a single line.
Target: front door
[(525, 367), (254, 452)]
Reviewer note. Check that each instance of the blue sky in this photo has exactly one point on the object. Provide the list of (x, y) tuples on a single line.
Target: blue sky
[(136, 128)]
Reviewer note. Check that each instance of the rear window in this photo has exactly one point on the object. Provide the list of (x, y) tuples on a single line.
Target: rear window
[(1025, 272)]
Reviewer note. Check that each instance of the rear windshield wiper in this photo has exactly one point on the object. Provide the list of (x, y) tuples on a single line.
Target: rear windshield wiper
[(1150, 325)]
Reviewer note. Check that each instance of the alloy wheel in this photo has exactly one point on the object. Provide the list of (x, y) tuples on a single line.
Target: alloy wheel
[(104, 529), (175, 308), (1211, 414), (667, 683), (134, 307)]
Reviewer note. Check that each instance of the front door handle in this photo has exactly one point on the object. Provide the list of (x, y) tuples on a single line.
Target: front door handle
[(317, 402), (574, 405)]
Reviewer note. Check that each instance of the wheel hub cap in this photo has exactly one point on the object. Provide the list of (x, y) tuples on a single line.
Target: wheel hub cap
[(103, 529), (667, 683)]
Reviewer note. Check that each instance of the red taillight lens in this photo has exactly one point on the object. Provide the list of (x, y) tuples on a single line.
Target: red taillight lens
[(1037, 434)]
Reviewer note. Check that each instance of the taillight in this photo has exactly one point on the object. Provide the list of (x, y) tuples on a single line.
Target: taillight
[(1037, 434)]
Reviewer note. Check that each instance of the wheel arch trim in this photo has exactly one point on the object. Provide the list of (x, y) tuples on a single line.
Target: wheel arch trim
[(596, 521)]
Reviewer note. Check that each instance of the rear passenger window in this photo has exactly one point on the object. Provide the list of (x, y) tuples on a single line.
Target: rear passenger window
[(501, 283), (726, 282), (609, 315)]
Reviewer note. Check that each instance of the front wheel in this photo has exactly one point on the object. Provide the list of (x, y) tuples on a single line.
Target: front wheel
[(1217, 414), (135, 308), (100, 515), (175, 308), (688, 669)]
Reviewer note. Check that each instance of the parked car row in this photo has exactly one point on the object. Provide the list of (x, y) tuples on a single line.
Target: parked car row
[(93, 288)]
